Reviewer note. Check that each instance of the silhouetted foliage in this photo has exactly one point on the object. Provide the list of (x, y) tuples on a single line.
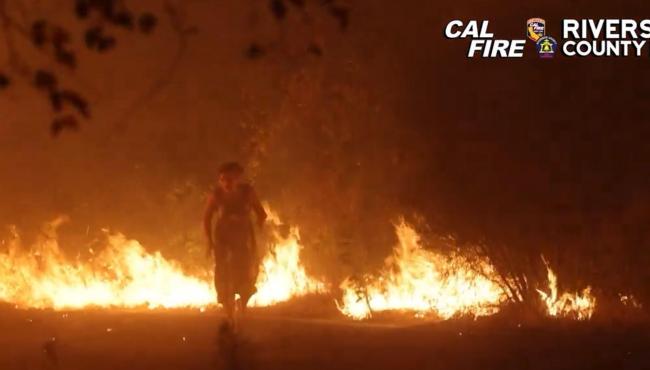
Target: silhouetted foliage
[(82, 9), (4, 81), (281, 11), (74, 100), (100, 19), (67, 122), (56, 41), (341, 14), (147, 22), (38, 32), (254, 51), (44, 80), (124, 19), (298, 3), (315, 49), (278, 9)]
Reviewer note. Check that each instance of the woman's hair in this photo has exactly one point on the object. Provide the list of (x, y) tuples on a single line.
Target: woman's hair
[(231, 168)]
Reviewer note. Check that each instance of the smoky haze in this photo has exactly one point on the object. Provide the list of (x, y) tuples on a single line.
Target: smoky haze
[(538, 155)]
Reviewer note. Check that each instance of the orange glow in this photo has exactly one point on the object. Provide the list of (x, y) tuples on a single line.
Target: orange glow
[(282, 276), (414, 279), (424, 282), (572, 305), (125, 275), (122, 275)]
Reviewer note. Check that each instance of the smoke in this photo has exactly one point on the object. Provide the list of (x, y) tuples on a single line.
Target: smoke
[(391, 120)]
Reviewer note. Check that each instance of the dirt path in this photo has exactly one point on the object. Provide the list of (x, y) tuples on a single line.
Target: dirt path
[(192, 340)]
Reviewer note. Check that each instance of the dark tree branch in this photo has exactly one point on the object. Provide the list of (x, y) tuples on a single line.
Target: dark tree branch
[(183, 33)]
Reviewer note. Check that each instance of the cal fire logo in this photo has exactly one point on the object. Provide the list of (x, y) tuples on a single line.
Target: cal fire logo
[(535, 29), (485, 45), (536, 32), (580, 38), (483, 42)]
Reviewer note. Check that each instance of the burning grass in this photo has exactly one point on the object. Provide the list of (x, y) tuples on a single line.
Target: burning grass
[(425, 282), (422, 282), (125, 275), (579, 306)]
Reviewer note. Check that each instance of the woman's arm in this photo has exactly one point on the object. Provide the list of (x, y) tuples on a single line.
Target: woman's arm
[(210, 209), (260, 213)]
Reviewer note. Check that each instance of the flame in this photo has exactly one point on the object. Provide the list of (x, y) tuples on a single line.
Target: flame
[(629, 300), (426, 282), (125, 275), (281, 274), (572, 305)]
